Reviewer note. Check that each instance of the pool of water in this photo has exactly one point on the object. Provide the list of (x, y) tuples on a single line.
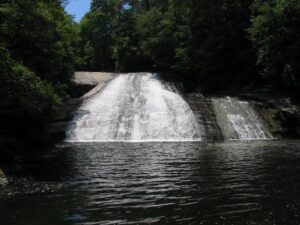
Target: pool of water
[(237, 183)]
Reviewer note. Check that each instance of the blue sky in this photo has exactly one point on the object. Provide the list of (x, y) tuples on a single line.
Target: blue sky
[(78, 8)]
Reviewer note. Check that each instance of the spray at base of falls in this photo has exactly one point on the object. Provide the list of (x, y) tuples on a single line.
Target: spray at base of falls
[(135, 107), (239, 121)]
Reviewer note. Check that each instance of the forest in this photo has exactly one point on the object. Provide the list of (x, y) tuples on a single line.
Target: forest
[(213, 46)]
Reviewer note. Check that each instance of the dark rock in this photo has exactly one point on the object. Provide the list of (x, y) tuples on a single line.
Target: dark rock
[(2, 175), (281, 116), (205, 114)]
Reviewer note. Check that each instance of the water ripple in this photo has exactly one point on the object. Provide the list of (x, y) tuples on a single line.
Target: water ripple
[(230, 183)]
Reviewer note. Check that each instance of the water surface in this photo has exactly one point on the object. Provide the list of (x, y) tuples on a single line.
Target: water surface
[(235, 183)]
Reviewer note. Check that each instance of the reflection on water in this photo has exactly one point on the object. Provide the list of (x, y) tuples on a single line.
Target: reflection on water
[(236, 183)]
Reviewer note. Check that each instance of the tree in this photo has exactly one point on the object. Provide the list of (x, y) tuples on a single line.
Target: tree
[(275, 32), (40, 35), (24, 95), (156, 30), (204, 42), (96, 34), (37, 54), (218, 49), (127, 53)]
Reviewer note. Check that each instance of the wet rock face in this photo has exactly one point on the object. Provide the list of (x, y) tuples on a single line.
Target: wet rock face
[(8, 145), (3, 179), (205, 114), (281, 114), (281, 123), (2, 175)]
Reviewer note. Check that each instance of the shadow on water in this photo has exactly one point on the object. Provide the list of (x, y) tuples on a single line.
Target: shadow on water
[(156, 183)]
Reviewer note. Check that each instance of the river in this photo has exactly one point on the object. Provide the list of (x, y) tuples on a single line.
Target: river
[(233, 182)]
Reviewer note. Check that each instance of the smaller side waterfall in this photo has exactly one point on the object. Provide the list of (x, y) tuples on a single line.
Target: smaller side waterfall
[(238, 120)]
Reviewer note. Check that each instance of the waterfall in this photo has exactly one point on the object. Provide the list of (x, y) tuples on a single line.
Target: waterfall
[(238, 120), (134, 107)]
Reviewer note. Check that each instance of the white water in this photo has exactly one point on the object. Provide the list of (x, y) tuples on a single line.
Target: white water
[(135, 107), (238, 120)]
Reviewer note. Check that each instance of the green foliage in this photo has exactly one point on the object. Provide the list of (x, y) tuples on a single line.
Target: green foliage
[(219, 49), (38, 54), (96, 37), (40, 35), (156, 32), (204, 42), (128, 55), (24, 95), (276, 34)]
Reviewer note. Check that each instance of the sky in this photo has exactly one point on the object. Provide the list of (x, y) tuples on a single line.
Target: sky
[(78, 8)]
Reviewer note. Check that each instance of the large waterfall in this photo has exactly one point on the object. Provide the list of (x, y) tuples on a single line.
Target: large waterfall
[(239, 120), (135, 107)]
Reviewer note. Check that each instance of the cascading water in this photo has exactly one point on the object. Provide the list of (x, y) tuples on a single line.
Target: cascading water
[(238, 120), (135, 107)]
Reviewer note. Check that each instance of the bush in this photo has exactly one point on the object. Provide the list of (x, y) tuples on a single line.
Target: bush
[(24, 95), (275, 32)]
